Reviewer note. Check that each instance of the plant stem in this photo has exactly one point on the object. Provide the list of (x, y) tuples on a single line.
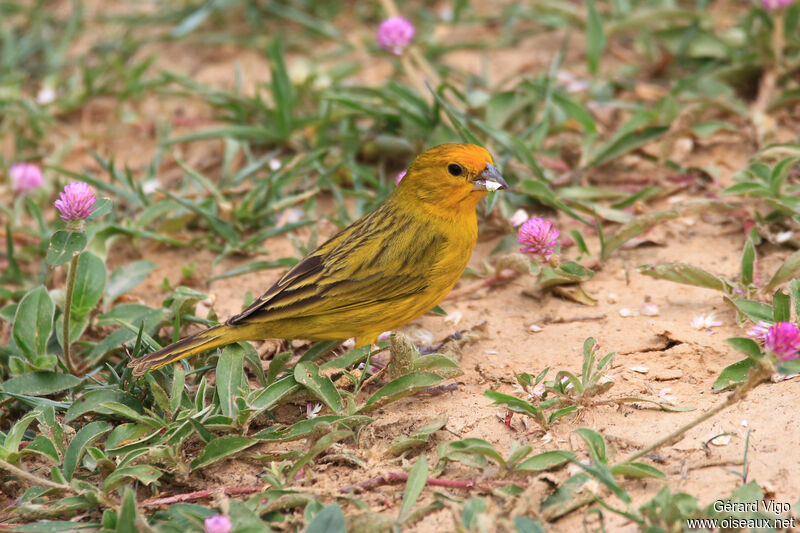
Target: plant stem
[(778, 38), (4, 465), (756, 377), (73, 271)]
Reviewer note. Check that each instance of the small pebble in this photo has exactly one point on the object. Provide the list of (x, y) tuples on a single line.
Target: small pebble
[(650, 310), (722, 440), (454, 318)]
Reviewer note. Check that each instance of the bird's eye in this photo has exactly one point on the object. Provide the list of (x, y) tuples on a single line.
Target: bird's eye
[(454, 169)]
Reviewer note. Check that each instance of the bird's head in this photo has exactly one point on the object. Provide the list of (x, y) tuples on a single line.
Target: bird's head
[(451, 176)]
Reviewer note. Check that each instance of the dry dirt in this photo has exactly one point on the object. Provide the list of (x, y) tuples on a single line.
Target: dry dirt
[(681, 361)]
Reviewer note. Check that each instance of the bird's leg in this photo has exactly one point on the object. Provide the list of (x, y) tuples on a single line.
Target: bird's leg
[(380, 368), (425, 350)]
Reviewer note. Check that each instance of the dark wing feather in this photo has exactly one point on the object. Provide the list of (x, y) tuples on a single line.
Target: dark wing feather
[(339, 275)]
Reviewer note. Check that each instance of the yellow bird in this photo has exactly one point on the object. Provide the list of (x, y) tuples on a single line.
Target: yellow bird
[(382, 271)]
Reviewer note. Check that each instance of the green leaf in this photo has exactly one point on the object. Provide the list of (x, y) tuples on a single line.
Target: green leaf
[(124, 278), (417, 478), (14, 437), (274, 394), (683, 273), (544, 461), (33, 323), (92, 400), (512, 402), (43, 446), (755, 311), (790, 269), (664, 406), (565, 498), (439, 364), (626, 143), (158, 393), (576, 111), (526, 525), (567, 273), (277, 364), (84, 438), (637, 470), (55, 526), (282, 89), (145, 474), (748, 259), (595, 443), (595, 37), (319, 349), (707, 128), (48, 424), (63, 244), (579, 242), (789, 367), (477, 447), (90, 281), (416, 439), (635, 227), (560, 413), (733, 374), (101, 207), (322, 444), (517, 454), (230, 373), (349, 359), (747, 346), (779, 173), (255, 133), (794, 290), (221, 448), (589, 347), (744, 189), (255, 266), (542, 192), (329, 520), (304, 428), (473, 508), (400, 388), (126, 434), (131, 414), (77, 326), (126, 519), (219, 226), (781, 307), (176, 393), (307, 374), (40, 383)]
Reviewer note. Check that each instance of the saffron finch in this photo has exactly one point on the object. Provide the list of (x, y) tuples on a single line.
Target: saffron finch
[(382, 271)]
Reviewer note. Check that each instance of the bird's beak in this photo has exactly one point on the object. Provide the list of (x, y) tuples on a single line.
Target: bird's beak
[(489, 180)]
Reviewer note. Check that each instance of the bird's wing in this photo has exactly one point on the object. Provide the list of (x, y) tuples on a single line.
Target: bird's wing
[(382, 257)]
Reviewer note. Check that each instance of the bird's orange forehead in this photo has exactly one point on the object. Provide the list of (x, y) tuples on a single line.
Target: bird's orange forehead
[(468, 155)]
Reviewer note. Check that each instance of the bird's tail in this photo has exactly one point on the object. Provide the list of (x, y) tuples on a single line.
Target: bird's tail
[(199, 342)]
